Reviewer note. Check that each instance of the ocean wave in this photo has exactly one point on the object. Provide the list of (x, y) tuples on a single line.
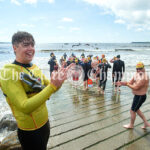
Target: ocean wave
[(93, 50), (3, 48), (76, 50), (133, 65), (123, 49), (2, 52)]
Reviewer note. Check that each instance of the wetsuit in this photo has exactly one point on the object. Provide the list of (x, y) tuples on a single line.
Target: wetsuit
[(86, 68), (113, 78), (118, 69), (82, 55), (52, 63), (103, 74), (28, 106), (65, 56)]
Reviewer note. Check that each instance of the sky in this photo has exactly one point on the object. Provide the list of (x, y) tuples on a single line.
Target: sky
[(64, 21)]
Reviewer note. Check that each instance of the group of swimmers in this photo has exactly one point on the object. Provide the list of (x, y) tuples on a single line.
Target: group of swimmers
[(99, 67), (92, 66)]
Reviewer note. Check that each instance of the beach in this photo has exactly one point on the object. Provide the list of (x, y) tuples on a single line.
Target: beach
[(86, 119), (82, 119)]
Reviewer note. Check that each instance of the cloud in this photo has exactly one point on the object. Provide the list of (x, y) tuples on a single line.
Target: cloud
[(15, 2), (119, 21), (134, 13), (30, 1), (65, 19), (35, 1), (51, 1)]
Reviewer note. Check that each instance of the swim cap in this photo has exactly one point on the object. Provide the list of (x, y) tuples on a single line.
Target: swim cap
[(118, 56), (71, 59), (103, 55), (139, 65), (51, 54), (88, 58), (94, 58), (85, 60), (115, 58), (76, 60), (104, 60)]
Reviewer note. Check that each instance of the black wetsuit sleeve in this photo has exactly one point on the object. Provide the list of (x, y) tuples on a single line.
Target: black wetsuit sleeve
[(109, 66), (123, 67), (100, 66), (52, 64), (89, 64), (114, 68), (49, 61)]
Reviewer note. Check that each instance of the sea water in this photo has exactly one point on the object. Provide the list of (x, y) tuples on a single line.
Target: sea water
[(130, 53)]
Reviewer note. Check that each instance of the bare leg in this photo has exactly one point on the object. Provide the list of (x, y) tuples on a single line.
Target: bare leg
[(97, 80), (131, 124), (87, 85), (99, 89), (102, 92), (116, 87), (146, 124), (84, 84), (113, 79), (103, 89)]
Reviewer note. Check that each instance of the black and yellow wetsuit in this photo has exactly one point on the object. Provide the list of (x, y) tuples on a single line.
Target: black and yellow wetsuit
[(28, 107)]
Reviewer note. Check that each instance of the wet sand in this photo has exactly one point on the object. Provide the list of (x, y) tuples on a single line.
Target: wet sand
[(87, 120)]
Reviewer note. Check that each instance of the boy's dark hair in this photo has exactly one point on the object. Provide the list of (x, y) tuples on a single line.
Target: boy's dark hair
[(22, 36)]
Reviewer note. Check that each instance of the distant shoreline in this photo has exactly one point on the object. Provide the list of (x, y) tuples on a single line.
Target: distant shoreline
[(140, 42)]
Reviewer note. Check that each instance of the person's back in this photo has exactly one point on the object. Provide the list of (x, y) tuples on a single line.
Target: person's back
[(104, 69), (119, 66), (52, 63), (103, 74), (86, 67), (118, 70), (65, 56)]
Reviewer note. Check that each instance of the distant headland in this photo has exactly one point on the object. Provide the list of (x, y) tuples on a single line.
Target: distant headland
[(140, 42)]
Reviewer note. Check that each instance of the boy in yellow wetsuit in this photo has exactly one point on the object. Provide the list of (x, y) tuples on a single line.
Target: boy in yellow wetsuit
[(27, 90)]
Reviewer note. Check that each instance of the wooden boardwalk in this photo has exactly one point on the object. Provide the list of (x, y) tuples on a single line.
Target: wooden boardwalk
[(85, 120)]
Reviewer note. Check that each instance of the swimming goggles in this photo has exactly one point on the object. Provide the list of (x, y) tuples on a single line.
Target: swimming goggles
[(33, 82)]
